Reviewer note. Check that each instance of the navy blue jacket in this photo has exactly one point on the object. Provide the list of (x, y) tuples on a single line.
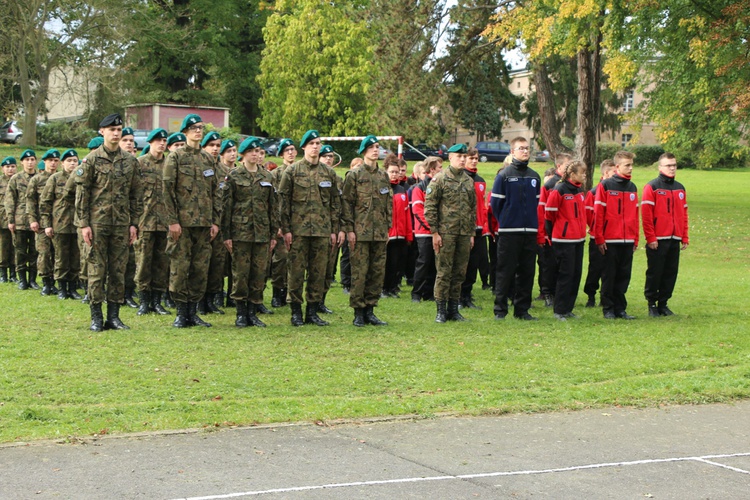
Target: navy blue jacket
[(515, 196)]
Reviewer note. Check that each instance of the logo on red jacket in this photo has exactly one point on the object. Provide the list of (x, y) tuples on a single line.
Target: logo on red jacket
[(403, 197), (682, 196), (632, 196), (481, 187)]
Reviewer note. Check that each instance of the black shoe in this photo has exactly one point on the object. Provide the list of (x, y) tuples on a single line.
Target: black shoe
[(442, 315), (97, 320), (145, 307), (322, 308), (665, 311), (540, 297), (296, 314), (202, 306), (370, 317), (211, 302), (156, 304), (500, 316), (624, 315), (46, 287), (23, 283), (262, 309), (560, 317), (486, 287), (85, 299), (592, 301), (113, 318), (311, 315), (53, 288), (277, 300), (452, 312), (526, 317), (252, 319), (346, 290), (653, 311), (549, 300), (468, 303), (193, 317), (416, 299), (62, 293), (32, 281), (183, 313), (72, 292), (12, 277), (168, 302), (609, 315), (230, 302), (241, 321), (129, 299), (359, 317), (4, 275)]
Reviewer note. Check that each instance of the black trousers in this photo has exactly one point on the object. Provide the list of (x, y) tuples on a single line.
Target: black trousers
[(478, 258), (547, 270), (596, 266), (569, 260), (661, 271), (492, 245), (516, 265), (411, 262), (345, 266), (425, 271), (618, 265), (395, 263)]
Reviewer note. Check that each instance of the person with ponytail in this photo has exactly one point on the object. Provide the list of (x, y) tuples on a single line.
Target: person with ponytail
[(565, 228)]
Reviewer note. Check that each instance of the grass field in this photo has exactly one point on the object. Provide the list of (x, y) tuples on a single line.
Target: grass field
[(58, 380)]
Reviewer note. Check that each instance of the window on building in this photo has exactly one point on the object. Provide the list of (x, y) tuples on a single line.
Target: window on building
[(626, 138), (518, 85), (628, 101)]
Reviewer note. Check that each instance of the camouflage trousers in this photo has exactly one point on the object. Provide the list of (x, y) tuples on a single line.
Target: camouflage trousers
[(368, 272), (217, 265), (249, 263), (83, 252), (45, 261), (67, 256), (279, 264), (451, 264), (107, 260), (130, 269), (188, 263), (333, 259), (308, 253), (151, 262), (25, 246), (7, 257)]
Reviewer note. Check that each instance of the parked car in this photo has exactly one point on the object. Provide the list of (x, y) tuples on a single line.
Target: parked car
[(422, 152), (542, 156), (11, 132), (271, 146), (382, 153), (140, 136), (492, 151)]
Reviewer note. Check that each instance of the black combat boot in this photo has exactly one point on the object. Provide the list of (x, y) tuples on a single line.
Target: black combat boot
[(168, 302), (251, 316), (202, 306), (97, 321), (453, 313), (85, 298), (241, 321), (12, 277), (441, 316), (277, 300), (664, 310), (591, 302), (653, 311), (3, 275), (322, 308), (311, 315), (230, 301), (113, 317), (193, 317), (53, 288), (129, 299), (210, 299), (23, 284), (282, 296), (359, 317), (371, 318), (262, 309), (296, 314), (219, 300), (145, 298), (46, 286), (156, 304), (181, 320), (71, 290), (467, 302), (63, 293)]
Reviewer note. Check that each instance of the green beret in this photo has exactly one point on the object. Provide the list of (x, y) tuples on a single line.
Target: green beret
[(157, 133), (51, 153), (366, 143), (8, 160), (190, 120), (211, 136), (146, 150), (326, 149), (457, 148), (226, 144), (111, 120), (40, 165), (249, 143), (126, 132), (283, 144), (95, 142), (309, 136), (176, 137), (69, 153), (29, 153)]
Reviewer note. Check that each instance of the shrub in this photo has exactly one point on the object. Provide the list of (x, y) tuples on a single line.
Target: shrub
[(64, 135), (646, 155)]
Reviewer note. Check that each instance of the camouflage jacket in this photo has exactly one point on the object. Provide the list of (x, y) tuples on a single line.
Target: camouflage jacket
[(4, 180), (367, 203), (108, 191), (153, 217), (33, 193), (15, 199), (309, 202), (250, 212), (451, 204), (191, 189), (55, 210)]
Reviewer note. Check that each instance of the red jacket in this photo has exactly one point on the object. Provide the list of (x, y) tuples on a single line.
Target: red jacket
[(616, 212), (480, 189), (544, 192), (421, 227), (589, 204), (492, 224), (401, 228), (665, 210), (565, 214)]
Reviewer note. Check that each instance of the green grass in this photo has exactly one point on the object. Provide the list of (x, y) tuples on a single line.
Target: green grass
[(57, 379)]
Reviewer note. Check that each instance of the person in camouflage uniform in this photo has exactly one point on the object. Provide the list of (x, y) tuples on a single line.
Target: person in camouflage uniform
[(367, 213), (108, 205), (228, 159), (279, 258), (7, 258), (327, 156), (309, 218), (152, 263), (45, 262), (127, 144), (450, 209), (57, 219), (192, 202), (250, 222), (175, 141), (15, 210)]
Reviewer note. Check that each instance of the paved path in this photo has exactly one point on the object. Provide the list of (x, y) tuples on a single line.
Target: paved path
[(677, 452)]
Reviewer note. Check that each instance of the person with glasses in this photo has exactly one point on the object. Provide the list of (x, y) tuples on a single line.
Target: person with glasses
[(192, 203), (515, 197), (665, 226)]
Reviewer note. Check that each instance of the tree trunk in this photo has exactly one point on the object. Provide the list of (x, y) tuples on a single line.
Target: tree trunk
[(589, 90), (547, 112)]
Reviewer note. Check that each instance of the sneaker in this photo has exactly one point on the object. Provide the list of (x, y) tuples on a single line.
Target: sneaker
[(653, 311), (665, 311), (526, 317), (500, 316), (560, 317)]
